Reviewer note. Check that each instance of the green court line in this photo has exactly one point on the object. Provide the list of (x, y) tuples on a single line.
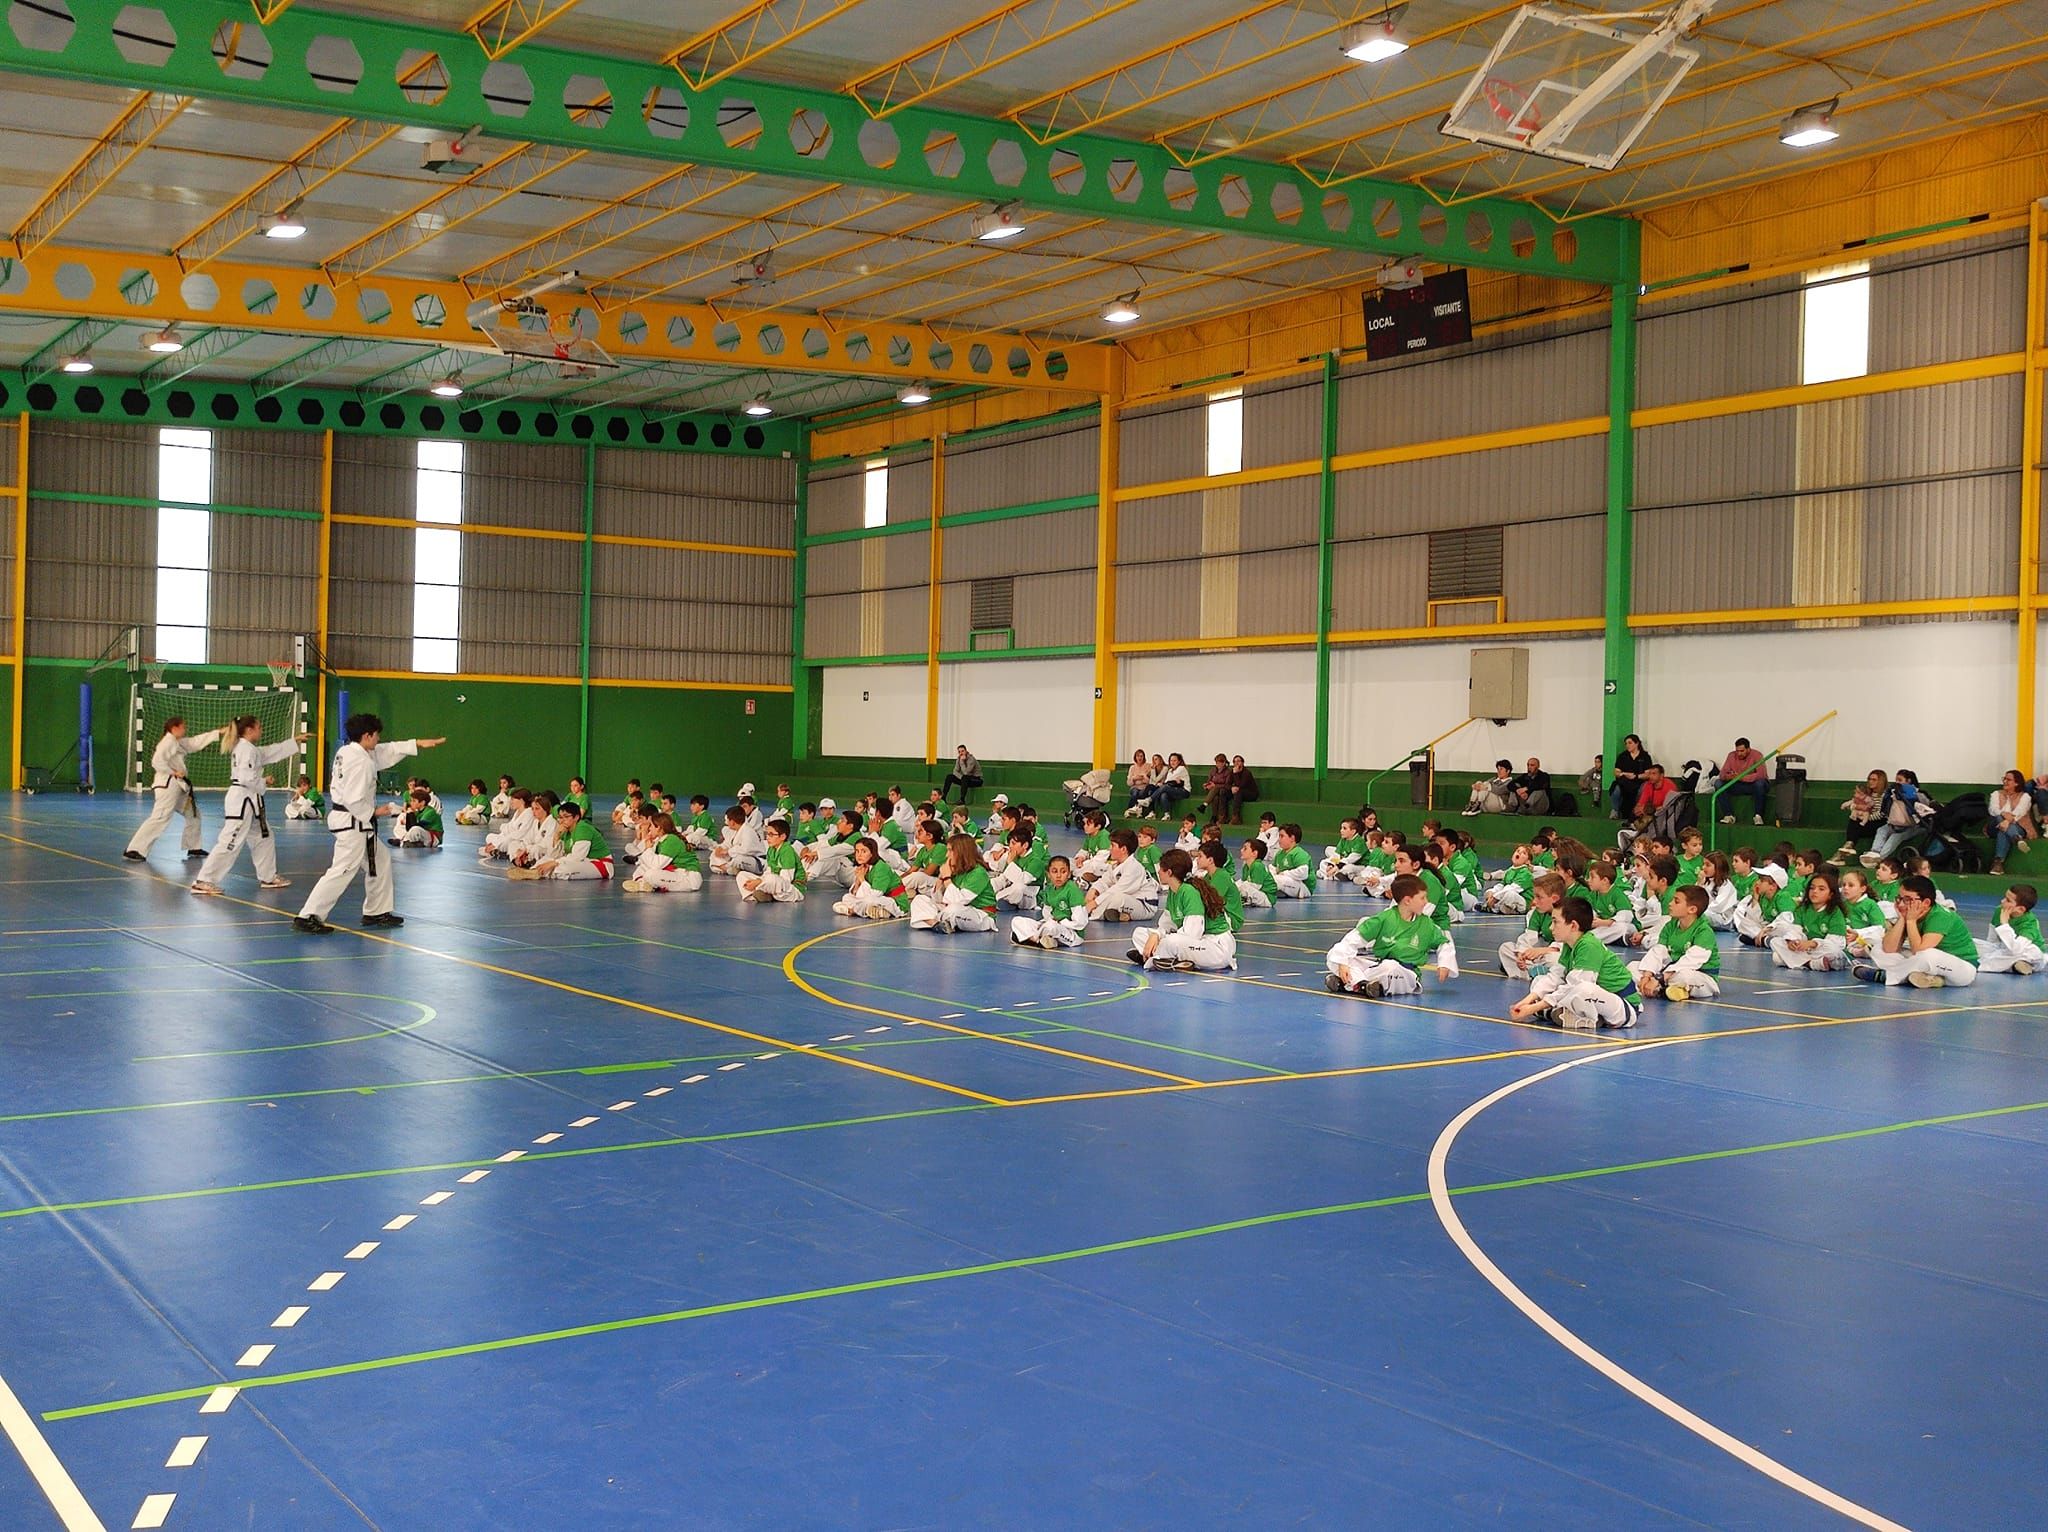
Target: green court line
[(1015, 1263), (328, 1042), (493, 1163)]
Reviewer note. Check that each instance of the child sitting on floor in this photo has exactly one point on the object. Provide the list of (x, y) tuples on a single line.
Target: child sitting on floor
[(1126, 892), (1924, 945), (1255, 883), (667, 864), (478, 810), (1385, 953), (1294, 870), (2014, 944), (579, 851), (420, 824), (1820, 936), (1510, 895), (1194, 927), (1768, 911), (1589, 988), (1062, 911), (742, 849), (1684, 963), (875, 893), (968, 900), (781, 879), (305, 802), (1344, 858)]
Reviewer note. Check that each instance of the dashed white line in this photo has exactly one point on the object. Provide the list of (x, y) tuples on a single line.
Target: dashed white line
[(1023, 1005), (326, 1282), (843, 1037), (362, 1251), (399, 1222), (186, 1453), (873, 1030), (660, 1090), (156, 1510), (727, 1068), (290, 1317), (547, 1138), (510, 1155), (1056, 999), (218, 1401), (255, 1356), (435, 1199), (473, 1177), (696, 1079), (953, 1016), (1100, 994), (583, 1122), (764, 1057), (619, 1106)]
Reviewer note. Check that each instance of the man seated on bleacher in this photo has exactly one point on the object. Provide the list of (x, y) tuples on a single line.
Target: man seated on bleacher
[(1494, 795), (1532, 789)]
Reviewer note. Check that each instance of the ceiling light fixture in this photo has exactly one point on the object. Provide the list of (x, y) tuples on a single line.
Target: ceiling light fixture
[(449, 387), (164, 342), (759, 406), (1811, 125), (1375, 41), (1122, 310), (283, 225), (999, 224), (915, 393), (79, 363)]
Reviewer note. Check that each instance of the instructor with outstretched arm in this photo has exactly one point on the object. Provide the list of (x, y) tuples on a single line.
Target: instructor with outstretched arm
[(352, 816)]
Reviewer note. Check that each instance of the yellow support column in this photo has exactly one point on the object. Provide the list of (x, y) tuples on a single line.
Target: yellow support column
[(1107, 470), (320, 603), (933, 595), (2030, 485), (20, 588)]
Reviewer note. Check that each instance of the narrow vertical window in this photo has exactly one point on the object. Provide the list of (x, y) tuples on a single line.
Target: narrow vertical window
[(437, 559), (874, 493), (1834, 339), (1226, 432), (184, 544)]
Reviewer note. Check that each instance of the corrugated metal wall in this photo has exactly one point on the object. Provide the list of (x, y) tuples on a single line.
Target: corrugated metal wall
[(1021, 467), (369, 613), (266, 570), (1963, 300), (1162, 443), (1531, 377), (8, 459), (92, 568), (834, 500), (1051, 558), (522, 605)]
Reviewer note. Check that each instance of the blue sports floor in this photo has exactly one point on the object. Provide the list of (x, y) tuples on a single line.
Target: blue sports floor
[(566, 1209)]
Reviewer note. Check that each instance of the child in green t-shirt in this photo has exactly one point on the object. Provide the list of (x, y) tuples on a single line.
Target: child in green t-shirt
[(1062, 910), (1294, 870), (667, 863), (1343, 860), (2014, 944), (580, 851), (420, 823), (1589, 988), (1255, 883), (782, 878), (1385, 953), (1684, 962)]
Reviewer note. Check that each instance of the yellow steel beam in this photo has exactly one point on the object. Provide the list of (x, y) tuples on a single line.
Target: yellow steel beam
[(502, 26), (1108, 468), (20, 592), (148, 289), (268, 11), (830, 207), (750, 35), (989, 41), (131, 132), (934, 601), (321, 592), (2030, 486), (845, 253), (495, 183)]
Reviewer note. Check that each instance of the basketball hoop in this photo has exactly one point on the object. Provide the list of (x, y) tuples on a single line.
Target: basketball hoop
[(153, 670), (1518, 115), (280, 671)]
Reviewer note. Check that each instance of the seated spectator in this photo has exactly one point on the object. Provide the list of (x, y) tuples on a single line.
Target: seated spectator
[(1139, 780), (965, 775), (1169, 785), (1899, 814), (1244, 788), (1495, 794), (2011, 824), (1216, 791), (1743, 775), (1865, 814), (1532, 789), (1654, 801), (1628, 776), (1591, 778)]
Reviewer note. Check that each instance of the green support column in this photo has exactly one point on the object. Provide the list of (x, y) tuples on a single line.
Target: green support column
[(1619, 704), (583, 644), (1326, 572), (801, 675)]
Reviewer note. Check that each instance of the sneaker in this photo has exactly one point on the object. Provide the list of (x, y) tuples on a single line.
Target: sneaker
[(1183, 965), (1869, 973), (135, 856), (311, 925), (522, 874), (1333, 984), (1677, 992), (195, 856), (1847, 848), (275, 883), (1372, 989), (2024, 969), (1048, 941), (1136, 957), (392, 840), (1868, 859), (633, 886), (1926, 981), (1997, 866), (1756, 819), (387, 919), (1574, 1022), (1727, 819), (199, 887)]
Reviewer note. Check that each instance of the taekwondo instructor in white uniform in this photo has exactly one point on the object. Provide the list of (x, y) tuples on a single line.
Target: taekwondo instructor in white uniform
[(173, 790), (352, 814)]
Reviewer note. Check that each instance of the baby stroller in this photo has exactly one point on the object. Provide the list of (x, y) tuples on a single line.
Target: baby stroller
[(1947, 842), (1088, 791)]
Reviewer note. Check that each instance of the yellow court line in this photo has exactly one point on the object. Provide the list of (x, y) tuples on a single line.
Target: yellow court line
[(571, 989), (789, 972)]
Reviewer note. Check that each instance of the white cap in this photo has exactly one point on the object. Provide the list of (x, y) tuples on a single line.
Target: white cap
[(827, 803), (1001, 798), (746, 789), (1774, 872)]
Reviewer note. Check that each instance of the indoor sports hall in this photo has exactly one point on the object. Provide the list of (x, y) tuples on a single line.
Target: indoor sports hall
[(1026, 764)]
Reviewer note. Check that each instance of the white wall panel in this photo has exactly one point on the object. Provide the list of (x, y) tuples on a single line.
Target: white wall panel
[(1259, 704), (873, 710), (1389, 698), (1015, 710)]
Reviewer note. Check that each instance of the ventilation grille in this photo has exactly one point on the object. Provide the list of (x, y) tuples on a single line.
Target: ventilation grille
[(1465, 562), (992, 604)]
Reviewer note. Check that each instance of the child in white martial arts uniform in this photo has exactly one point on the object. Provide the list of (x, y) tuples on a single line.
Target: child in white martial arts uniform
[(2014, 943), (968, 900), (1768, 911), (1348, 855), (1062, 911), (1190, 838), (1294, 870), (501, 801), (1684, 962), (1925, 945), (1386, 953), (478, 810), (305, 802), (1509, 893), (1614, 916), (1377, 872), (831, 856), (927, 858), (1820, 936), (668, 863), (627, 810), (352, 820), (1126, 892), (580, 851), (1269, 832), (514, 831), (996, 829), (1194, 927), (1093, 860), (1255, 883), (1535, 948), (1589, 987), (875, 892), (781, 879), (419, 823), (1023, 869), (1717, 878), (173, 789), (1655, 878), (743, 847), (543, 833), (242, 815)]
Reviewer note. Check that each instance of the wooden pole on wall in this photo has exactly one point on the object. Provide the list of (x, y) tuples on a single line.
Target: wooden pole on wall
[(2032, 358), (320, 598), (933, 603)]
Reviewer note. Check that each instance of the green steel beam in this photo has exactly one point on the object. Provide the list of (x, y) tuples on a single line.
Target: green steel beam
[(963, 519), (583, 637), (1326, 571), (1619, 702), (800, 675), (543, 95), (106, 398), (138, 503)]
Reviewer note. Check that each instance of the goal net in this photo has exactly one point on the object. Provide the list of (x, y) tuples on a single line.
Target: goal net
[(281, 708)]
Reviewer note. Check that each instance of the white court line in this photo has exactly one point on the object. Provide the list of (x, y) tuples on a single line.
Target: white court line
[(186, 1453), (51, 1477), (326, 1282), (361, 1251), (843, 1037), (953, 1016), (290, 1317), (619, 1106), (1614, 1372), (725, 1068), (473, 1177), (255, 1356), (696, 1079), (764, 1057), (547, 1138), (435, 1199), (218, 1401), (400, 1222), (661, 1090), (873, 1030), (510, 1155), (583, 1122), (156, 1510)]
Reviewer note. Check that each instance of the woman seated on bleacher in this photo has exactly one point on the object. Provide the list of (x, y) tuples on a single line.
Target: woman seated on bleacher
[(2011, 824), (1169, 785), (1139, 780)]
